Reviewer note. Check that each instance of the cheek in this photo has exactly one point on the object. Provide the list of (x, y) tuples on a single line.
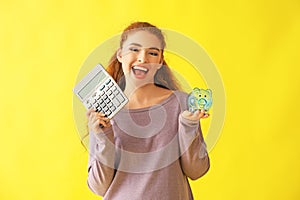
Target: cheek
[(153, 59), (125, 68), (155, 67), (126, 65), (127, 57)]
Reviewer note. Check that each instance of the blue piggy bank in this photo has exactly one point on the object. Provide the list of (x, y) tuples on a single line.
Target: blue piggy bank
[(199, 99)]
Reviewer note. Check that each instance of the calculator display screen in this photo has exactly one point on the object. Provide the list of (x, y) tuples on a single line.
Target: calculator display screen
[(91, 84)]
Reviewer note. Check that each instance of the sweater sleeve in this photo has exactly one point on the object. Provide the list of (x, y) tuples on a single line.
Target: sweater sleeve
[(101, 161), (194, 157)]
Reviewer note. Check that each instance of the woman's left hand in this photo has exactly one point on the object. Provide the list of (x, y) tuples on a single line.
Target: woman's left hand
[(196, 115)]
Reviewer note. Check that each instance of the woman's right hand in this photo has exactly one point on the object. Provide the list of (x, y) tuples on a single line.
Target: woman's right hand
[(97, 121)]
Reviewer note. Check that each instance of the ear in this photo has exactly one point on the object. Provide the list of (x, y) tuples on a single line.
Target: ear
[(209, 91), (119, 55), (161, 63), (162, 60)]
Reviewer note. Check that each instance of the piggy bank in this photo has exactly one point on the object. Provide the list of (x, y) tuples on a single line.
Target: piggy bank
[(199, 99)]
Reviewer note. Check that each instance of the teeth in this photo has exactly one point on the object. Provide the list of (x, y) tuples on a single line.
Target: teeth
[(140, 68)]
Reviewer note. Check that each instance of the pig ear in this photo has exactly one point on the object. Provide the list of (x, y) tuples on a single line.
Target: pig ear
[(209, 91), (196, 88)]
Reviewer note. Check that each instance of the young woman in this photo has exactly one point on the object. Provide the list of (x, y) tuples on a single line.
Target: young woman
[(153, 145)]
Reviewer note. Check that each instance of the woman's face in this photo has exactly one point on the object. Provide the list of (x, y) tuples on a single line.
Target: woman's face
[(141, 57)]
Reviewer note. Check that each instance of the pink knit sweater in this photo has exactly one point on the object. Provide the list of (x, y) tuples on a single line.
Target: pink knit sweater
[(148, 154)]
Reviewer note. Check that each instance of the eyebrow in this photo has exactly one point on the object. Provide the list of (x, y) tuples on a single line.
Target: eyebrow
[(139, 45)]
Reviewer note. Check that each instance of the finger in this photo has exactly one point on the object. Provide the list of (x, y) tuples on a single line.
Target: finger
[(206, 115), (102, 123), (92, 114), (198, 112), (202, 113), (101, 114), (105, 119), (93, 118), (90, 117), (97, 123), (187, 114), (88, 113), (195, 115)]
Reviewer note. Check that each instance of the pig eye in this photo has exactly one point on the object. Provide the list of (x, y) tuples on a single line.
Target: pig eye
[(205, 95), (199, 95)]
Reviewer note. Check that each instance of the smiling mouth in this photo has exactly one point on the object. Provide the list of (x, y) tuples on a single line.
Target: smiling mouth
[(137, 70)]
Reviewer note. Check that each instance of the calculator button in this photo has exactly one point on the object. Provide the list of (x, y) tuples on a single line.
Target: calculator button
[(101, 93), (108, 112), (116, 92), (102, 87), (113, 88), (107, 100), (109, 92), (103, 104), (105, 108), (101, 101), (110, 104), (98, 97), (120, 98), (107, 82), (105, 97), (113, 108), (110, 84), (89, 106), (97, 105), (112, 96), (94, 101), (116, 102)]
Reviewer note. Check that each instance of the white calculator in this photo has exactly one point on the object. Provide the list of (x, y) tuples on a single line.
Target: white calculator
[(98, 90)]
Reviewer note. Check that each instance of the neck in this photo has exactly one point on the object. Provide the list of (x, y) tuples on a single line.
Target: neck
[(141, 92), (145, 95)]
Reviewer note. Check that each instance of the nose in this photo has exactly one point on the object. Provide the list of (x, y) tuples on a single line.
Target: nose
[(142, 58)]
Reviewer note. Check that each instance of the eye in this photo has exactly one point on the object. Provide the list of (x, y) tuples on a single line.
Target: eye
[(205, 95), (153, 53), (134, 49), (199, 95)]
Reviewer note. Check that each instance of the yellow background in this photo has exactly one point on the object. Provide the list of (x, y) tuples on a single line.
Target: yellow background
[(255, 45)]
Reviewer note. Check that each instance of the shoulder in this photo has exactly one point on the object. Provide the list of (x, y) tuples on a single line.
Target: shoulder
[(181, 99), (180, 94), (175, 98)]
